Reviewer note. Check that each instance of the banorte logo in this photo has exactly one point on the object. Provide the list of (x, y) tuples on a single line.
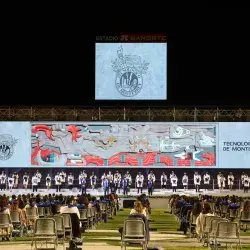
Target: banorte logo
[(143, 38), (133, 38)]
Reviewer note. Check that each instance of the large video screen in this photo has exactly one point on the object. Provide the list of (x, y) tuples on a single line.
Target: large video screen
[(124, 144), (15, 144), (131, 71)]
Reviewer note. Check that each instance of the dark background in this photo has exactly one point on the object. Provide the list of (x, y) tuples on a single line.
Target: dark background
[(208, 64)]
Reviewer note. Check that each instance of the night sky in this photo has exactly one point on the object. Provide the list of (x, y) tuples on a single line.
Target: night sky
[(206, 66)]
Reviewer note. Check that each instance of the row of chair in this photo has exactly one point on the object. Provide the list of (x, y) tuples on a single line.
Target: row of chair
[(222, 227)]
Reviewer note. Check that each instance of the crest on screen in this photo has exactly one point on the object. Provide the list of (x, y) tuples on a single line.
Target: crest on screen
[(7, 143), (129, 70)]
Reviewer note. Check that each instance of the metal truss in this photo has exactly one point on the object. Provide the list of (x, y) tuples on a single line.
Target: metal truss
[(124, 114)]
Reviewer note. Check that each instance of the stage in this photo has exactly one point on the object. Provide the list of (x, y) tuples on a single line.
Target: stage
[(133, 192)]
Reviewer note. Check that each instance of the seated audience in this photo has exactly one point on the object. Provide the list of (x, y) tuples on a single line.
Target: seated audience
[(138, 209), (201, 219), (15, 207), (69, 208), (4, 210)]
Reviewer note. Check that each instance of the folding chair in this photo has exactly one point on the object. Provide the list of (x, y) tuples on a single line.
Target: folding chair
[(134, 231), (45, 230), (67, 225), (207, 228), (245, 218), (5, 225), (17, 223), (83, 217), (60, 229), (213, 229), (228, 233), (41, 212)]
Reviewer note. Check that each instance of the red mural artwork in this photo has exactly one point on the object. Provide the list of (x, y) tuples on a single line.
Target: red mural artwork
[(118, 144)]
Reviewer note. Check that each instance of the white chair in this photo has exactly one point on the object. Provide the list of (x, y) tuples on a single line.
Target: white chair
[(233, 214), (41, 212), (5, 225), (60, 229), (213, 229), (31, 216), (207, 228), (134, 232), (67, 225), (90, 217), (192, 224), (228, 233), (245, 218), (83, 217), (17, 223), (45, 230)]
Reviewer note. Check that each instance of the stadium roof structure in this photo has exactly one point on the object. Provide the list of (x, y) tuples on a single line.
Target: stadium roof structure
[(161, 114)]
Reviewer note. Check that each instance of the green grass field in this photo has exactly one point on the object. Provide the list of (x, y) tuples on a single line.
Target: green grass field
[(164, 225)]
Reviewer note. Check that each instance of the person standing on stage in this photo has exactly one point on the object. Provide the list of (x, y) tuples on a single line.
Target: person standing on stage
[(15, 176), (230, 181), (110, 178), (206, 179), (70, 181), (139, 182), (164, 179), (85, 174), (151, 176), (221, 181), (58, 182), (129, 180), (150, 186), (48, 181), (63, 176), (25, 181), (34, 182), (84, 184), (124, 184), (197, 182), (93, 179), (105, 186), (246, 183), (39, 178), (79, 179), (103, 176), (185, 181), (10, 182), (3, 178), (172, 174), (174, 181), (243, 176), (117, 181)]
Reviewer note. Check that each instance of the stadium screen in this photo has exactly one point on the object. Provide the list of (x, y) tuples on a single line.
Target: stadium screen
[(131, 71)]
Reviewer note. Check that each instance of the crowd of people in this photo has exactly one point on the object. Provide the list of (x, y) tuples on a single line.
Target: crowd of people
[(118, 183), (67, 204), (204, 205)]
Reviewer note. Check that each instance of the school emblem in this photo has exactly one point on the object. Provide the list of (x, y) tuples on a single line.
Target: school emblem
[(7, 143), (129, 70)]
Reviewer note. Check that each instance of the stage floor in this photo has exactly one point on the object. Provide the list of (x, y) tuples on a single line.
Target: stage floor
[(133, 192)]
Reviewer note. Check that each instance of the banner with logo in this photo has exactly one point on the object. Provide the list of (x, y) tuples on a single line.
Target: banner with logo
[(234, 145), (135, 145), (100, 144), (131, 71), (15, 144)]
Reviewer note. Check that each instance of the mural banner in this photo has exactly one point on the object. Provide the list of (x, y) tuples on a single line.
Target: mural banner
[(124, 144), (15, 144)]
